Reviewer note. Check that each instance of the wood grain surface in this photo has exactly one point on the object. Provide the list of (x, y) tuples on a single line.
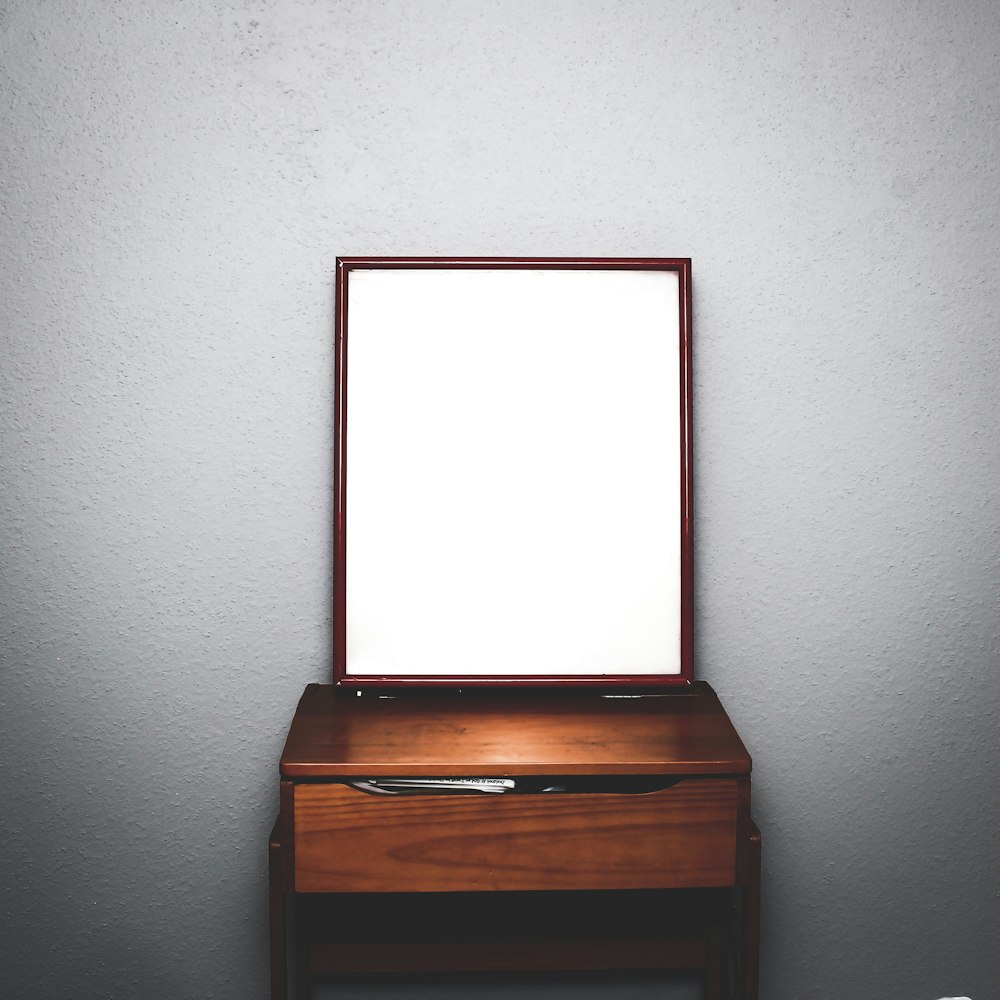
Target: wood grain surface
[(336, 735), (347, 840)]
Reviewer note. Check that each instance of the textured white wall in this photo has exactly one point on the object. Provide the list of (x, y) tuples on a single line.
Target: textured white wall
[(177, 179)]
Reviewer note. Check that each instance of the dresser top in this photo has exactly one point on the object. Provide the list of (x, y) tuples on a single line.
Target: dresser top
[(335, 734)]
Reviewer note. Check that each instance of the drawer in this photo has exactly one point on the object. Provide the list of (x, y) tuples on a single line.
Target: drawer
[(351, 841)]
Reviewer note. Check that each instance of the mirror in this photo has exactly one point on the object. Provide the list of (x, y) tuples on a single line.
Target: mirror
[(512, 484)]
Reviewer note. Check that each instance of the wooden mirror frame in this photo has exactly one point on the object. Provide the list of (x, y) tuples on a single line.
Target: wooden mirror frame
[(630, 681)]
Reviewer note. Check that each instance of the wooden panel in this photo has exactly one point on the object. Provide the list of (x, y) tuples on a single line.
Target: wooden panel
[(441, 733), (350, 841), (506, 956), (512, 931)]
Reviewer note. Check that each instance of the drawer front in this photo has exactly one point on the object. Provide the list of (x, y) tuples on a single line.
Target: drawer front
[(350, 841)]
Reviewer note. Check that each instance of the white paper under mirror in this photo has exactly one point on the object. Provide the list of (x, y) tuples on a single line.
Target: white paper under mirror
[(513, 484)]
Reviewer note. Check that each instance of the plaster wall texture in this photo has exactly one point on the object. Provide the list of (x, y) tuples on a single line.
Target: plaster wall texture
[(177, 180)]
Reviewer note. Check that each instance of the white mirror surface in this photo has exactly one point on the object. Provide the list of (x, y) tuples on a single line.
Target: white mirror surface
[(512, 473)]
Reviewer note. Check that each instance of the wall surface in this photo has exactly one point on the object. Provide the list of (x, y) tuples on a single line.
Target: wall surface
[(177, 179)]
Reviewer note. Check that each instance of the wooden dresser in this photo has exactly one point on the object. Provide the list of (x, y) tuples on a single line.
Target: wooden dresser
[(652, 834)]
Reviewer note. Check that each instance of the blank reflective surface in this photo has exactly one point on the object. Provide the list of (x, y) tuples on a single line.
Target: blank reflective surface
[(513, 483)]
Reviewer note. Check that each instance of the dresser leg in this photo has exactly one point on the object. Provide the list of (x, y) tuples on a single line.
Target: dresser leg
[(277, 914), (751, 920), (301, 934), (716, 952)]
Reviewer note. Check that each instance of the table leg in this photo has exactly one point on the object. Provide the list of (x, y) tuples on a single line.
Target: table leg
[(751, 919), (277, 910), (302, 934), (714, 955)]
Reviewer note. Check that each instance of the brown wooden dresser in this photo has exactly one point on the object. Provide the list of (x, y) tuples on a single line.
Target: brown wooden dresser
[(634, 865)]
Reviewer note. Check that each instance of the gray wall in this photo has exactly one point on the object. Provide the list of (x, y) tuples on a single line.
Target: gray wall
[(177, 180)]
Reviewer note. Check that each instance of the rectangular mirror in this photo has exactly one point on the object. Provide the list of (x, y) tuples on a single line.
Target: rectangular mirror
[(513, 458)]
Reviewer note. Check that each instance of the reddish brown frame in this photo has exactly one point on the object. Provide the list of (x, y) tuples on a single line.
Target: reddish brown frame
[(682, 265)]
